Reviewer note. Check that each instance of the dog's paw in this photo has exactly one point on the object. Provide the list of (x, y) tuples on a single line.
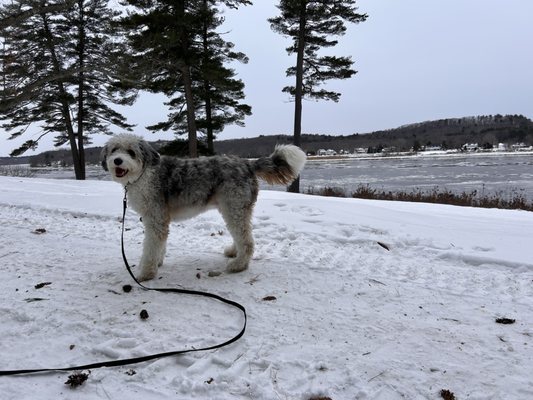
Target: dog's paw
[(146, 276), (230, 251), (236, 266)]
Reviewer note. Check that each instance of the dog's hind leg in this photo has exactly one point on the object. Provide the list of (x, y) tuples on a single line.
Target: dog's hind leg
[(162, 254), (239, 222), (154, 244), (231, 251)]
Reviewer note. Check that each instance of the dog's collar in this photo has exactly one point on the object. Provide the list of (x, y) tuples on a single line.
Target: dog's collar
[(135, 181)]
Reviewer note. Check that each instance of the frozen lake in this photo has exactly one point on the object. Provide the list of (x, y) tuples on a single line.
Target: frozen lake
[(506, 174)]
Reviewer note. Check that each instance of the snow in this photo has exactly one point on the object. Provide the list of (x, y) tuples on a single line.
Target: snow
[(351, 319)]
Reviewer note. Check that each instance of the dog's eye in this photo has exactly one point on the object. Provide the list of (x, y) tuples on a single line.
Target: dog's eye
[(131, 153), (114, 149)]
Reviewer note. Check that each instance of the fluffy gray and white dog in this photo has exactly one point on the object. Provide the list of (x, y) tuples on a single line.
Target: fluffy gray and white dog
[(162, 188)]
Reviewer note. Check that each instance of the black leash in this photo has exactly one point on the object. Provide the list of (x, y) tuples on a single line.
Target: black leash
[(136, 360)]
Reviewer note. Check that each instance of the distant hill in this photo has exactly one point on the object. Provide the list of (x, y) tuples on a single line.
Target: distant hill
[(450, 133), (15, 160)]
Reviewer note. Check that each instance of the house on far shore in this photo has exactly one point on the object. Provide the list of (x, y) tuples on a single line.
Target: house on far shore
[(329, 152), (432, 148), (470, 147), (521, 147), (501, 147)]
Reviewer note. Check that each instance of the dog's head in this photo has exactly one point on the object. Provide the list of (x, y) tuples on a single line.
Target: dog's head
[(126, 156)]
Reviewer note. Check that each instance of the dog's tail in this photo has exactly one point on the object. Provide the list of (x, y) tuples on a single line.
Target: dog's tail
[(282, 167)]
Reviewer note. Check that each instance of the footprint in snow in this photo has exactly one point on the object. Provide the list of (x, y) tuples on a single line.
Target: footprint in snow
[(483, 249)]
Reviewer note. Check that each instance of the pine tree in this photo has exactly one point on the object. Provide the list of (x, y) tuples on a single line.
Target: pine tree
[(219, 92), (313, 25), (161, 34), (95, 50), (34, 87), (179, 54), (57, 59)]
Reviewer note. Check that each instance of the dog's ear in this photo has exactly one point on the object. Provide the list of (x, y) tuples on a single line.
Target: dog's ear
[(151, 157), (103, 156)]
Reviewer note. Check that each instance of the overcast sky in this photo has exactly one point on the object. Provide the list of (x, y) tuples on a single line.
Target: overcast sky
[(417, 60)]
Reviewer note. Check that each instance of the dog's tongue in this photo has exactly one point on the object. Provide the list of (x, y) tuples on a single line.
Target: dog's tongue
[(119, 172)]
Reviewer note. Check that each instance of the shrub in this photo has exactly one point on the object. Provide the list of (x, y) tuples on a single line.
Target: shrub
[(469, 199), (16, 171), (327, 191)]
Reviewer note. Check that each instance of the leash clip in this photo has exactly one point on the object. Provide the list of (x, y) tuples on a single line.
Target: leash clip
[(125, 199)]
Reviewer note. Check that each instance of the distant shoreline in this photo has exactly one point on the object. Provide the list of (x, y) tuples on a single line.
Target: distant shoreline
[(422, 154)]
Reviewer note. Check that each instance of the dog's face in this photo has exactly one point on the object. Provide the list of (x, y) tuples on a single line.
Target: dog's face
[(126, 156)]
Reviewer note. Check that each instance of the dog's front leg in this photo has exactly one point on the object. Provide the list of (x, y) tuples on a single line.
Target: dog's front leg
[(155, 238)]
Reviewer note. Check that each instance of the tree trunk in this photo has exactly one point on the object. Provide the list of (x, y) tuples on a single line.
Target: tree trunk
[(209, 122), (191, 115), (207, 90), (64, 107), (187, 84), (81, 90), (295, 186)]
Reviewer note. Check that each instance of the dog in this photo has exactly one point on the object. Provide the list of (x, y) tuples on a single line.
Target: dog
[(162, 189)]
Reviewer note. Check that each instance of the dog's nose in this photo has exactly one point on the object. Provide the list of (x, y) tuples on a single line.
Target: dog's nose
[(117, 161)]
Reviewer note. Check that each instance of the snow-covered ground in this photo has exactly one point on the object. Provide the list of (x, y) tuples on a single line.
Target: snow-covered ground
[(351, 319)]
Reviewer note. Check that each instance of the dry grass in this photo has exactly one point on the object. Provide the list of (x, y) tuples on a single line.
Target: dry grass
[(514, 201), (17, 171)]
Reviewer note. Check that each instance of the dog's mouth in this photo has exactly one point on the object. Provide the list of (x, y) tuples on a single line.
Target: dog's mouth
[(120, 172)]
